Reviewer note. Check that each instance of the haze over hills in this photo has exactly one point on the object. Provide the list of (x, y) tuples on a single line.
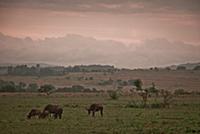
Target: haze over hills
[(188, 66), (77, 49)]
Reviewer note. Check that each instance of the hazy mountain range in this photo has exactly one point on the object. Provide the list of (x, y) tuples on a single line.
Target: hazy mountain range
[(77, 49)]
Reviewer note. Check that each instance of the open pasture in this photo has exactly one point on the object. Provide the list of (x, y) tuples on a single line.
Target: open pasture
[(183, 116)]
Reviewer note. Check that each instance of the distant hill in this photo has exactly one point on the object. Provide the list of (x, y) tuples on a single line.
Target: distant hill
[(189, 66), (77, 50)]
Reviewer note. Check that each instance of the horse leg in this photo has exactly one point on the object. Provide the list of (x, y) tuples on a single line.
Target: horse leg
[(55, 116), (60, 116), (93, 113), (101, 113)]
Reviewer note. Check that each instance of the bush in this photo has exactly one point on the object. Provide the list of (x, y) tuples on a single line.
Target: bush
[(122, 83), (94, 90), (156, 105), (7, 86), (134, 104), (21, 86), (196, 68), (32, 87), (180, 92), (106, 82), (131, 82), (46, 88), (167, 98), (181, 68), (77, 88), (138, 83), (91, 78), (68, 78), (114, 95)]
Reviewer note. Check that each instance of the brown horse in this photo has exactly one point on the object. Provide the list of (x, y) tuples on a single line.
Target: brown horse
[(34, 112), (44, 114), (56, 110), (95, 108)]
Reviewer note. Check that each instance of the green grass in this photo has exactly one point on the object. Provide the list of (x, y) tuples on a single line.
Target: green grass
[(182, 117)]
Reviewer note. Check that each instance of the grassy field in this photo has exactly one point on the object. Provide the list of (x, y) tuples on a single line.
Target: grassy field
[(183, 116)]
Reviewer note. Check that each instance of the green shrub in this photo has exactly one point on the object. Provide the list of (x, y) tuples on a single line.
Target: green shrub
[(32, 87), (106, 82), (138, 83), (180, 92), (134, 104), (114, 95), (46, 88), (156, 105), (7, 86)]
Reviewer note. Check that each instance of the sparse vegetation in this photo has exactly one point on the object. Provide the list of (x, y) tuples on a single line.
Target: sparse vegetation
[(181, 68), (46, 88), (180, 92), (128, 114), (114, 95), (106, 82), (138, 83), (121, 116), (32, 87), (196, 68), (167, 98)]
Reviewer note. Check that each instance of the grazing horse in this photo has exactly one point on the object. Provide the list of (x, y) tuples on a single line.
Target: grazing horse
[(95, 108), (56, 110), (44, 114), (34, 112)]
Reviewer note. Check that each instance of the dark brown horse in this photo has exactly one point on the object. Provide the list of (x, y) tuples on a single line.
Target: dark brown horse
[(44, 114), (95, 108), (34, 112), (56, 110)]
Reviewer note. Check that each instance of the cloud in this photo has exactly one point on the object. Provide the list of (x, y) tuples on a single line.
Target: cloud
[(109, 6), (76, 49)]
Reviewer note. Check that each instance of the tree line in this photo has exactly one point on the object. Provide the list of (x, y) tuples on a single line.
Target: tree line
[(10, 86), (25, 70)]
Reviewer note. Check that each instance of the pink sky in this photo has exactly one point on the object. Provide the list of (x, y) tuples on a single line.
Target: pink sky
[(144, 33), (126, 21)]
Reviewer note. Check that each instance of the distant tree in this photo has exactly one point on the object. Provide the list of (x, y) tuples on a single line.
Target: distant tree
[(114, 95), (7, 86), (151, 68), (181, 68), (77, 88), (180, 92), (156, 68), (106, 82), (167, 68), (131, 82), (196, 68), (94, 90), (144, 95), (32, 87), (167, 98), (91, 78), (86, 90), (22, 86), (138, 83), (153, 89), (46, 88)]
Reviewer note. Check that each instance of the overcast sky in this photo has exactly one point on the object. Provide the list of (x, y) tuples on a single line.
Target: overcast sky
[(131, 22)]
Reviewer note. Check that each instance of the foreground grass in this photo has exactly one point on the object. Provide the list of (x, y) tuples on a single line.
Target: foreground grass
[(182, 117)]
